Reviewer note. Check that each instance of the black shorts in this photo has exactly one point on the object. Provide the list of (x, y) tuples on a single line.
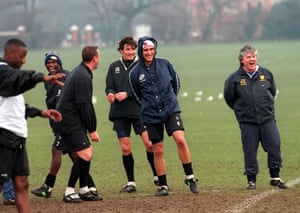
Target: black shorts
[(59, 143), (14, 162), (124, 125), (156, 131), (75, 142)]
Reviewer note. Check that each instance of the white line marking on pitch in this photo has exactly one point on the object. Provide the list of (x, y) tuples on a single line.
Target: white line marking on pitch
[(254, 199)]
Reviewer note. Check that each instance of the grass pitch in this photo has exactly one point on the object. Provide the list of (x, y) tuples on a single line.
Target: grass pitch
[(211, 129)]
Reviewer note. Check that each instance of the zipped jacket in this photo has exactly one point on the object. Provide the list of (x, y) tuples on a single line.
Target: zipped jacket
[(117, 81), (155, 87), (252, 99), (15, 81)]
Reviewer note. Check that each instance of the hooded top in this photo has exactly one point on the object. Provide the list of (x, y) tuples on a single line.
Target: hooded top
[(154, 87)]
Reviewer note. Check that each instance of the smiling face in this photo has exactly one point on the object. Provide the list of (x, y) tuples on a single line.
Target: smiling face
[(128, 52), (248, 58), (249, 62), (52, 66), (148, 54)]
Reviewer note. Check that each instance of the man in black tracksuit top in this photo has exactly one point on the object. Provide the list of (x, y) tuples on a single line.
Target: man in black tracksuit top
[(250, 92), (79, 119), (125, 112), (53, 64)]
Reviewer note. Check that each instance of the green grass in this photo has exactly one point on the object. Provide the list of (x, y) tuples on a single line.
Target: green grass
[(211, 129)]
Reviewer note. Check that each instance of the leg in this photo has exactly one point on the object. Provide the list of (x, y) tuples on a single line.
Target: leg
[(185, 158), (156, 135), (271, 144), (182, 147), (8, 193), (21, 185), (150, 154), (46, 189), (160, 166), (250, 135), (128, 163)]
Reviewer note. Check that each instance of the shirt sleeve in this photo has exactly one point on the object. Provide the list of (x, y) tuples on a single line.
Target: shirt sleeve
[(109, 82), (15, 81), (88, 116), (229, 92), (133, 84), (32, 111), (175, 79)]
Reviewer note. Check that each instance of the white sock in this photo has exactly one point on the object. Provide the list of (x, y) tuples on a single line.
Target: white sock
[(69, 190), (84, 190), (189, 177), (92, 189), (131, 183)]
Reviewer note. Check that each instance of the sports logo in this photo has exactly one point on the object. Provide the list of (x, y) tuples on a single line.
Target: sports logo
[(243, 82), (117, 70), (142, 78)]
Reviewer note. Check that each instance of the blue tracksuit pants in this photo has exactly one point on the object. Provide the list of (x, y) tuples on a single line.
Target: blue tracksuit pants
[(266, 133)]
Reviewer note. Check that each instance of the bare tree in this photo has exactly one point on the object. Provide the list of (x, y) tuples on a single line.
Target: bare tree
[(117, 14)]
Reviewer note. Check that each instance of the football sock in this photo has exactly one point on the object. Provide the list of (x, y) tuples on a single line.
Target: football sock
[(50, 180), (128, 163), (150, 157)]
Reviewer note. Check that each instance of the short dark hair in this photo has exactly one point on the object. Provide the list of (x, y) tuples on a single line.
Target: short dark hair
[(13, 44), (127, 40), (88, 52)]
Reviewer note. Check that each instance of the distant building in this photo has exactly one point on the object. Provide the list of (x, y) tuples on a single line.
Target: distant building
[(223, 16)]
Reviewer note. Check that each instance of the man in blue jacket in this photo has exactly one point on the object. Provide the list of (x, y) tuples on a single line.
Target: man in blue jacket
[(250, 92), (155, 85)]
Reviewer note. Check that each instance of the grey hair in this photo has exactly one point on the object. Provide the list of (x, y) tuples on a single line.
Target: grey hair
[(247, 49)]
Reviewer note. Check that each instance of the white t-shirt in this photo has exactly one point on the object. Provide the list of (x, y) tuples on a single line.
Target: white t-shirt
[(12, 115)]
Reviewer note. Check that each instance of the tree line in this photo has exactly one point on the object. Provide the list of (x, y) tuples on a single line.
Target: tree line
[(48, 24)]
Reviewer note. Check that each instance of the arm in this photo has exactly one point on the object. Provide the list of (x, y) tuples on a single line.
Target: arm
[(89, 119), (15, 81), (50, 113), (175, 79), (109, 90), (229, 93), (133, 84)]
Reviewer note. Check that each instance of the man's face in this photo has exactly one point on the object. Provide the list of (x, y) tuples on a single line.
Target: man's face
[(148, 54), (128, 52), (16, 58), (249, 62), (52, 66)]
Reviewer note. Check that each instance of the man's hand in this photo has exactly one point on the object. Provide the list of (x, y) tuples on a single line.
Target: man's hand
[(54, 79), (94, 136), (52, 114), (120, 96), (110, 98)]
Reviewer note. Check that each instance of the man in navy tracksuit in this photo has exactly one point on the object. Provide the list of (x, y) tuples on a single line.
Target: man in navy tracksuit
[(155, 85), (250, 92)]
